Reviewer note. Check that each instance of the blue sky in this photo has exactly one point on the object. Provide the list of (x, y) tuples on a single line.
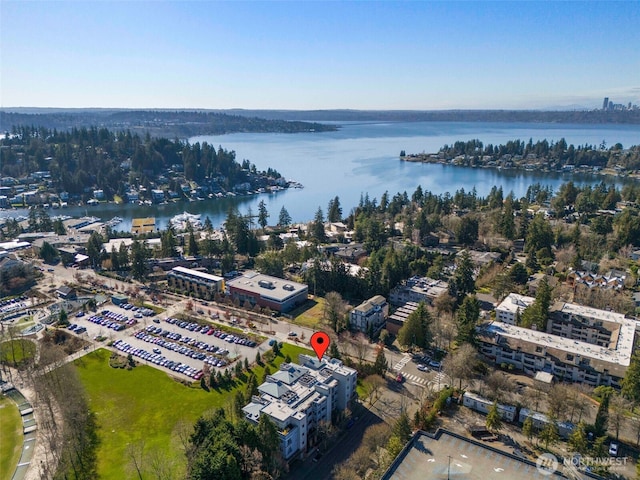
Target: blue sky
[(318, 55)]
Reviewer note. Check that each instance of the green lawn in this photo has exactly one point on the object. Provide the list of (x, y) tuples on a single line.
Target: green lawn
[(10, 437), (310, 313), (17, 351), (145, 404)]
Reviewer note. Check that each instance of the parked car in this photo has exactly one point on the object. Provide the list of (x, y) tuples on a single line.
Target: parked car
[(434, 364), (613, 449), (422, 368)]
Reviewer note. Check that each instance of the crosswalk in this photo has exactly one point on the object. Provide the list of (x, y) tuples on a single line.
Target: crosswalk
[(400, 365), (440, 378), (415, 379)]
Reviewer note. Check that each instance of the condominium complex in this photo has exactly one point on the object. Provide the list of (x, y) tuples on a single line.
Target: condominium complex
[(297, 398), (581, 344), (276, 293), (511, 306), (201, 284), (370, 315), (418, 289)]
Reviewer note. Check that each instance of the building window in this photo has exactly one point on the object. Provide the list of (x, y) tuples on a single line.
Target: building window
[(538, 349), (569, 357)]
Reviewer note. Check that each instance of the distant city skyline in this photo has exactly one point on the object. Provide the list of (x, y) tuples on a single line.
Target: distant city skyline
[(319, 55)]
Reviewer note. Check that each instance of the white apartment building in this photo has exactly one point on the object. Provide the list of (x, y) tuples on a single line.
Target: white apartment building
[(298, 397), (370, 314), (508, 309)]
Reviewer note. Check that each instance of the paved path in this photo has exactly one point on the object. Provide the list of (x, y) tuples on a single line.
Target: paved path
[(29, 439)]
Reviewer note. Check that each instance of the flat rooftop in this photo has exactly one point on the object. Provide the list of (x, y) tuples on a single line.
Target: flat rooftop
[(596, 313), (268, 287), (514, 301), (197, 274), (620, 355), (447, 455)]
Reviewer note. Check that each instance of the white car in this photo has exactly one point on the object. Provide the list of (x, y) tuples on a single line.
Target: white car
[(422, 368), (613, 449)]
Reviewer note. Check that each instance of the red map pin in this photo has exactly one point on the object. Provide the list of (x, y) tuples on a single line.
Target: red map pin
[(320, 342)]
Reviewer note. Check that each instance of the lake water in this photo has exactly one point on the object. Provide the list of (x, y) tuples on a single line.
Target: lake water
[(364, 158)]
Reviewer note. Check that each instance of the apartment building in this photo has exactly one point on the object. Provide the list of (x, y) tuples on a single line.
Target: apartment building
[(511, 306), (201, 284), (370, 315), (418, 289), (586, 324), (298, 397), (582, 353)]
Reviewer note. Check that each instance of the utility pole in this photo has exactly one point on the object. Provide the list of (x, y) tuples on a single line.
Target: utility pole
[(449, 468)]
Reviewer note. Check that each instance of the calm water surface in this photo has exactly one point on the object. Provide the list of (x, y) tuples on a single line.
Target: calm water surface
[(363, 158)]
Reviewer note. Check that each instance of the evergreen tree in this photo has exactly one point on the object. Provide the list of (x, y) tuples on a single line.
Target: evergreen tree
[(168, 243), (139, 255), (334, 210), (317, 227), (115, 260), (416, 329), (193, 244), (380, 365), (494, 421), (402, 427), (507, 221), (463, 282), (578, 439), (208, 226), (538, 312), (58, 227), (602, 416), (63, 318), (123, 256), (262, 214), (527, 428), (95, 250), (532, 262), (550, 434), (467, 320), (47, 252), (334, 352), (631, 381), (284, 219)]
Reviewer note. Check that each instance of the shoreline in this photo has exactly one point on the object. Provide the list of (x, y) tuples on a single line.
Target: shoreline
[(432, 158)]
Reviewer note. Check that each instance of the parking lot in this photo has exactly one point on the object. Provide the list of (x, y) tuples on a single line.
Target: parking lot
[(176, 346)]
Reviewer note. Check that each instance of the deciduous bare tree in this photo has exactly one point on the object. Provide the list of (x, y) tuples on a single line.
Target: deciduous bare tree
[(459, 365)]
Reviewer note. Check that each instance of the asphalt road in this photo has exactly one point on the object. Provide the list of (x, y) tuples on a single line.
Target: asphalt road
[(343, 447)]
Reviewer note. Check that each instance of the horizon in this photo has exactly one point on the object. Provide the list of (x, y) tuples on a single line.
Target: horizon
[(310, 56)]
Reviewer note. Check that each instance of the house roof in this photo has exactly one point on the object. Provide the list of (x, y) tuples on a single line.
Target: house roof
[(64, 290)]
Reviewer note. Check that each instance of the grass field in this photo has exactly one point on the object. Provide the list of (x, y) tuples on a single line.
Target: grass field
[(310, 314), (145, 405), (10, 437), (17, 351)]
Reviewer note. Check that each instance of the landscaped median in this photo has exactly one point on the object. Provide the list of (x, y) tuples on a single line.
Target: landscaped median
[(143, 409)]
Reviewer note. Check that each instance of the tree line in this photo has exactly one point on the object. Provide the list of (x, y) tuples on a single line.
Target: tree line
[(84, 157)]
